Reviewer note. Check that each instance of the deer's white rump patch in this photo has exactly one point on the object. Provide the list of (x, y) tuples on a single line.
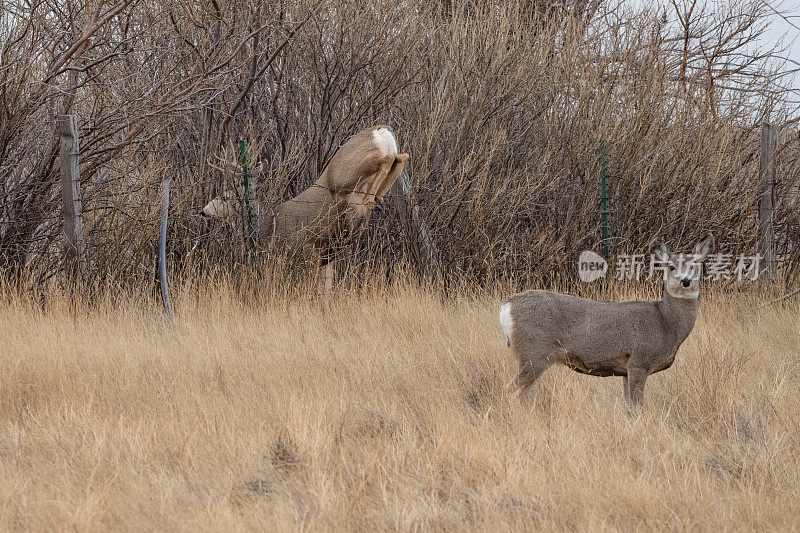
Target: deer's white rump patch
[(506, 322), (385, 141)]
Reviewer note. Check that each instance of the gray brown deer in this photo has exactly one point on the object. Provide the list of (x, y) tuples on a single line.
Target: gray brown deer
[(339, 203), (628, 339)]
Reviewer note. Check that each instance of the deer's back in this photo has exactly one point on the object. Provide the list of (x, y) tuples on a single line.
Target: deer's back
[(312, 213)]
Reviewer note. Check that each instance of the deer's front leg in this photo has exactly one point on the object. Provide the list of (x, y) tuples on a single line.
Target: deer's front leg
[(397, 169), (626, 391), (635, 381), (375, 180), (323, 275)]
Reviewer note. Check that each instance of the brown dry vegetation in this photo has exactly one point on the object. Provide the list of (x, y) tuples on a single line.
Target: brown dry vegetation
[(383, 407), (382, 411)]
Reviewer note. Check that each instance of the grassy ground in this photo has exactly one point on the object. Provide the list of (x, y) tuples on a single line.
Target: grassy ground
[(384, 411)]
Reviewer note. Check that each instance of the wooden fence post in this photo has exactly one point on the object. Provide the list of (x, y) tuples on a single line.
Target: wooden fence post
[(75, 266), (766, 211)]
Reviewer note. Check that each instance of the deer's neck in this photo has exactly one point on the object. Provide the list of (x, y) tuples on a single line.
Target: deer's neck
[(679, 315)]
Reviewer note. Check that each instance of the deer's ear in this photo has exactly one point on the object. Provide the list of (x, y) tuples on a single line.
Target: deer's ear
[(704, 247), (659, 251)]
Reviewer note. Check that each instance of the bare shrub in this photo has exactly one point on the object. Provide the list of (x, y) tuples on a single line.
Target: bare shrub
[(502, 106)]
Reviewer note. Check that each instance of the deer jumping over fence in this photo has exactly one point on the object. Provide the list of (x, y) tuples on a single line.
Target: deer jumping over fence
[(628, 339), (339, 203)]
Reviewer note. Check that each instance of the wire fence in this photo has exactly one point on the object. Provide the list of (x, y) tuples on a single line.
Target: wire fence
[(224, 241)]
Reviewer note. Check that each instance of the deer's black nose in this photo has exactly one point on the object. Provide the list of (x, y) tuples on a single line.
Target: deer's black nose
[(686, 282), (203, 214)]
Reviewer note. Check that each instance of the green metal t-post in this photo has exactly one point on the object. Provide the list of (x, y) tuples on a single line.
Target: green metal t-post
[(248, 200), (604, 199)]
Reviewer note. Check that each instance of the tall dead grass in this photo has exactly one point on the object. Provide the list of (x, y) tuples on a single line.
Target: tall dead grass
[(384, 411)]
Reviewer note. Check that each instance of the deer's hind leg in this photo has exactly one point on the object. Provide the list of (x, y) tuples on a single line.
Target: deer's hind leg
[(344, 180), (531, 368)]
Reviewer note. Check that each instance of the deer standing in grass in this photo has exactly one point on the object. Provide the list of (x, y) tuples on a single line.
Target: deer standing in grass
[(340, 202), (628, 339)]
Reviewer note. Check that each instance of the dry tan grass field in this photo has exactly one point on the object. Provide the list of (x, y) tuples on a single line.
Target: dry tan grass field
[(382, 411)]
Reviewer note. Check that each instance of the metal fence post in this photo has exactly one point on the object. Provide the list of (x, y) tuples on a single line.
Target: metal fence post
[(248, 200), (162, 247), (604, 199), (401, 192)]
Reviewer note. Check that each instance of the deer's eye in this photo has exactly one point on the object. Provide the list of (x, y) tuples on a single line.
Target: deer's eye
[(672, 268)]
